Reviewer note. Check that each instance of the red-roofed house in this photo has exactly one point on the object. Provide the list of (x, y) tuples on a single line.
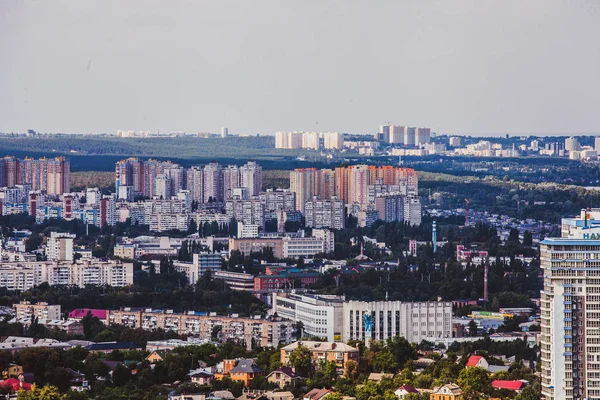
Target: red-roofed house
[(477, 361), (404, 390), (79, 313), (15, 384), (317, 394), (517, 386)]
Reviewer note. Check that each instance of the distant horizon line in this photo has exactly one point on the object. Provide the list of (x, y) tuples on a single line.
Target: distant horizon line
[(483, 135)]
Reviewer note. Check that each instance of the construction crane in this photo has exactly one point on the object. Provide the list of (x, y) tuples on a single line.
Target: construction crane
[(466, 212)]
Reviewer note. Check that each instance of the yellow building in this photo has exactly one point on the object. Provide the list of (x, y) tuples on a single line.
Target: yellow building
[(13, 371), (340, 353), (156, 356), (446, 392)]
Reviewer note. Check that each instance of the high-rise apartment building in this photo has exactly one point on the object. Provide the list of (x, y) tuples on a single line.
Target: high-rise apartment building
[(390, 207), (422, 135), (50, 175), (59, 176), (59, 246), (410, 135), (251, 178), (570, 310), (333, 140), (231, 180), (572, 144), (397, 134), (302, 182), (325, 185), (310, 140), (142, 174), (384, 134), (454, 141), (325, 213), (359, 178), (288, 140), (195, 183), (213, 182)]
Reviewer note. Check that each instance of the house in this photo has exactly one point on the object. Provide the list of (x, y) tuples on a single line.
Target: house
[(245, 370), (340, 353), (223, 394), (279, 395), (13, 371), (517, 386), (481, 362), (377, 377), (201, 376), (14, 384), (446, 392), (239, 370), (317, 394), (284, 376), (156, 356), (77, 382), (186, 396), (404, 390)]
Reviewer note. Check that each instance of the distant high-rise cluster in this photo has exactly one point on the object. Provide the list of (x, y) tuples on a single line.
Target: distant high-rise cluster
[(403, 135), (164, 179), (52, 176), (309, 140), (358, 187)]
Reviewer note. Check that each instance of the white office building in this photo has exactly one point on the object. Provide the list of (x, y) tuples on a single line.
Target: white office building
[(414, 321), (321, 315)]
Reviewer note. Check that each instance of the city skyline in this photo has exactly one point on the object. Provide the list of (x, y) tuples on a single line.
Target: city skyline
[(461, 68)]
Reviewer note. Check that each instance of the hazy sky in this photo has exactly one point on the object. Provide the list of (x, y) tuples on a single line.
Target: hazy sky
[(476, 66)]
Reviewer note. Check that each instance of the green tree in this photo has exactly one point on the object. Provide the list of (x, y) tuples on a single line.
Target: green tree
[(301, 360), (472, 328), (43, 393), (474, 381), (384, 361), (121, 375)]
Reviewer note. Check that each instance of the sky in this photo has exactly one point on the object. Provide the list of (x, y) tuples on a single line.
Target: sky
[(460, 67)]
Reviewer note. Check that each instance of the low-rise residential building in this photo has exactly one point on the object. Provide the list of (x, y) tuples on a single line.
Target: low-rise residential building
[(321, 315), (403, 391), (23, 275), (317, 394), (446, 392), (201, 377), (251, 331), (285, 376), (70, 327), (39, 310), (340, 353)]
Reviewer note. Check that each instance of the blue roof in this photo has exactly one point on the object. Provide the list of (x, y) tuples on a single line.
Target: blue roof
[(567, 242)]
